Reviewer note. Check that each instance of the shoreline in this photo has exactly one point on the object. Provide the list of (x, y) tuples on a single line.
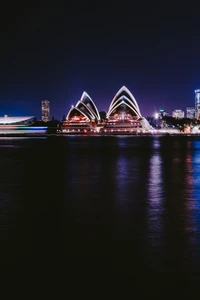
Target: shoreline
[(96, 134)]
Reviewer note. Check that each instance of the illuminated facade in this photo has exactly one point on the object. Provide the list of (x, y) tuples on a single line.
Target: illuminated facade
[(190, 112), (83, 117), (14, 120), (178, 114), (123, 106), (45, 110), (197, 104), (19, 125), (162, 113), (124, 114)]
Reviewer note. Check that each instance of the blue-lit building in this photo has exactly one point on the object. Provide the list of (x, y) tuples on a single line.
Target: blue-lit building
[(190, 112), (197, 103)]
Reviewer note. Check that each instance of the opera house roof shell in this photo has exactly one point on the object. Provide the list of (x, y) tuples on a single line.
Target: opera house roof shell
[(84, 111), (124, 101), (13, 120)]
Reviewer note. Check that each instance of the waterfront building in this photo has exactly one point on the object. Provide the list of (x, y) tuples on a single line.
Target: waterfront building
[(190, 112), (197, 104), (83, 117), (45, 110), (178, 114), (124, 114), (19, 125), (7, 120)]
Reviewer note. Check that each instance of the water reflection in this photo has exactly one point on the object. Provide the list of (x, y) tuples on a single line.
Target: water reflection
[(174, 210), (155, 198), (130, 223), (134, 200), (190, 226), (89, 196), (194, 204), (131, 172), (127, 177)]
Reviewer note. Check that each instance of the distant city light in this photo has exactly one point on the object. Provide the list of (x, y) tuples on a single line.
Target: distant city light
[(197, 104), (156, 115)]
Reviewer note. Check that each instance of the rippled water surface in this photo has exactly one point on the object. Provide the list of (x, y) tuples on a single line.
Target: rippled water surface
[(96, 208)]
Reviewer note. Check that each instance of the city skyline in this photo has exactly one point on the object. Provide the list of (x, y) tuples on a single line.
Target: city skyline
[(21, 110), (55, 52)]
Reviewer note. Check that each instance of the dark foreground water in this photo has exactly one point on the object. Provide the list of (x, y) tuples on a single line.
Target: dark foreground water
[(101, 212)]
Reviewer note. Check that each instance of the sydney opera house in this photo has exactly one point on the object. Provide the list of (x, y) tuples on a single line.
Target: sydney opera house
[(123, 116)]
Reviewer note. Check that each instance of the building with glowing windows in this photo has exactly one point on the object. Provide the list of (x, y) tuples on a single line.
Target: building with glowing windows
[(190, 112), (45, 110), (178, 114), (197, 104), (83, 117)]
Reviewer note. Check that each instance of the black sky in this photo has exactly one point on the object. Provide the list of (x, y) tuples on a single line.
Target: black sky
[(56, 50)]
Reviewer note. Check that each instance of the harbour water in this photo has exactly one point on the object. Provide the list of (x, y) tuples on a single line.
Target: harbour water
[(103, 208)]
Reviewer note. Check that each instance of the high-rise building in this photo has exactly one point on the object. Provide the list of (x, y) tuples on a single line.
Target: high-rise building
[(178, 114), (162, 113), (45, 110), (190, 112), (197, 104)]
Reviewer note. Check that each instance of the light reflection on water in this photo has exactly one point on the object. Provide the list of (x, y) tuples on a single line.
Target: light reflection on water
[(169, 184), (133, 200), (126, 179), (194, 200), (155, 198), (190, 226)]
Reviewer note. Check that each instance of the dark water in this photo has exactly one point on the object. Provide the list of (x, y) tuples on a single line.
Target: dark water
[(103, 212)]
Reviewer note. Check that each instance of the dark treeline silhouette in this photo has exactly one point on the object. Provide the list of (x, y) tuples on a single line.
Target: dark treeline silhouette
[(169, 121), (181, 122), (52, 125)]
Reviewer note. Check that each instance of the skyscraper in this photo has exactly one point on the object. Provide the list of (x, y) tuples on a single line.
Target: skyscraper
[(190, 112), (45, 110), (197, 104), (162, 113)]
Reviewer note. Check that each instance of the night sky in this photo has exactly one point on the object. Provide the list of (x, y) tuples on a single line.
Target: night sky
[(55, 51)]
